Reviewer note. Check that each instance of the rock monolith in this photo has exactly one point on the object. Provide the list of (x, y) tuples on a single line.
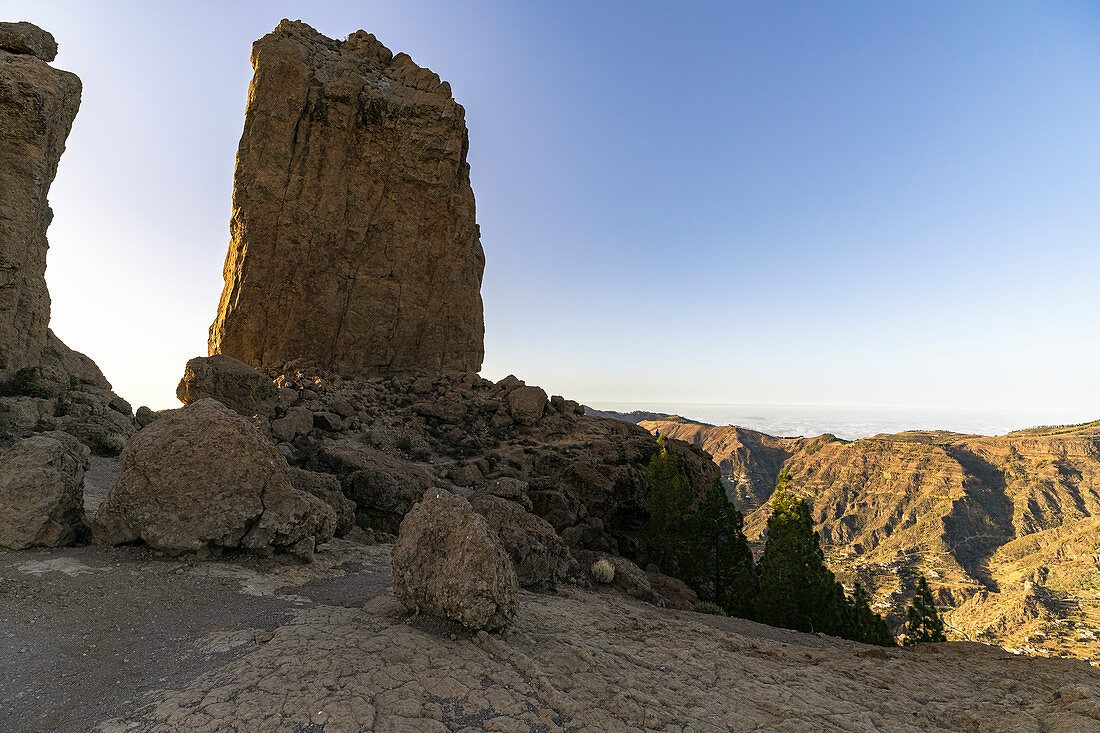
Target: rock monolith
[(353, 240), (38, 104)]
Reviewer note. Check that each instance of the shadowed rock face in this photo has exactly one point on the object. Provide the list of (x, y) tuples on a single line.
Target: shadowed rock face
[(44, 385), (353, 240), (37, 106)]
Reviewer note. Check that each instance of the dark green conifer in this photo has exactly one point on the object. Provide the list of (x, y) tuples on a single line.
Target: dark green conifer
[(668, 503), (795, 590), (868, 626), (716, 557), (923, 622)]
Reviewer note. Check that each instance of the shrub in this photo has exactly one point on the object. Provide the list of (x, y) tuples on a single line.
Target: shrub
[(114, 443), (34, 389), (603, 571), (707, 607)]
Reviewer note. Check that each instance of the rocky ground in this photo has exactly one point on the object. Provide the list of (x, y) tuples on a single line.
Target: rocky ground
[(120, 639)]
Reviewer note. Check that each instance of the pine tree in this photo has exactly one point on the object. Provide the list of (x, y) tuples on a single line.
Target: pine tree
[(668, 502), (795, 590), (923, 622), (716, 557), (867, 626)]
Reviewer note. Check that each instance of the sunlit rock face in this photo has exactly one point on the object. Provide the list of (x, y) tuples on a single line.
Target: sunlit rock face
[(353, 240), (37, 106)]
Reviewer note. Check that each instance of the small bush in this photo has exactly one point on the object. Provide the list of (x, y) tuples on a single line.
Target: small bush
[(75, 384), (114, 443), (707, 607), (34, 389), (603, 571)]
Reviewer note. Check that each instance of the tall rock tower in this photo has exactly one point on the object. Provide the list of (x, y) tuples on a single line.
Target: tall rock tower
[(37, 106), (353, 239)]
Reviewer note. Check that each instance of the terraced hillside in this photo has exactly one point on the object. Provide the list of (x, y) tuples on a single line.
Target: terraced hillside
[(1006, 528)]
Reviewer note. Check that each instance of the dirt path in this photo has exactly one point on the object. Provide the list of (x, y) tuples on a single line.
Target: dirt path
[(87, 633)]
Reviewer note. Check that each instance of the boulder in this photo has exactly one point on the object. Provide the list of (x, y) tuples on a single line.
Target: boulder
[(539, 556), (229, 381), (330, 422), (447, 562), (27, 38), (42, 492), (326, 487), (37, 106), (105, 431), (510, 488), (297, 422), (676, 592), (383, 487), (354, 245), (202, 478), (145, 416), (526, 404)]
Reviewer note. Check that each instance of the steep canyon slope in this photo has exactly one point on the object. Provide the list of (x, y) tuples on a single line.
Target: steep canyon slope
[(1007, 528)]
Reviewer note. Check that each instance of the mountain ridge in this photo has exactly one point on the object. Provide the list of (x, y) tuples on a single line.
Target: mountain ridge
[(966, 510)]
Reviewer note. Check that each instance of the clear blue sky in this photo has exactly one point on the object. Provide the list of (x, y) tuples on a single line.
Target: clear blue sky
[(842, 203)]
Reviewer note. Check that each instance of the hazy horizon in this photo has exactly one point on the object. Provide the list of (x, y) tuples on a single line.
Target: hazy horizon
[(730, 203), (851, 422)]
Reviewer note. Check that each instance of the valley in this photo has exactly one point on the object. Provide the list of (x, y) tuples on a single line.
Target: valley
[(1005, 528)]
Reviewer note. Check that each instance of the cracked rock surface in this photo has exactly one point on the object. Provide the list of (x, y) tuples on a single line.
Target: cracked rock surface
[(115, 639)]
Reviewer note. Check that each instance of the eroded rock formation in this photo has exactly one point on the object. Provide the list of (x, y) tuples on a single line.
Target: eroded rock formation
[(44, 385), (353, 240), (38, 104)]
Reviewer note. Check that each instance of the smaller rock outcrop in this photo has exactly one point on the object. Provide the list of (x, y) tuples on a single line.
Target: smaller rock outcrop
[(229, 381), (538, 554), (42, 492), (326, 487), (447, 562), (44, 385), (202, 478), (383, 487), (38, 104), (27, 38)]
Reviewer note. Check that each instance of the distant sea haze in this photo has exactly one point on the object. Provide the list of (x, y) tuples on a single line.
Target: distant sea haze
[(851, 423)]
